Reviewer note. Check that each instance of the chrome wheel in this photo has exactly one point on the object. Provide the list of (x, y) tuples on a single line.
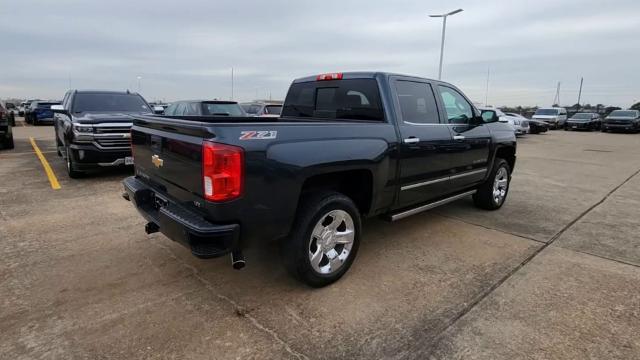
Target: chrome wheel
[(500, 185), (331, 242)]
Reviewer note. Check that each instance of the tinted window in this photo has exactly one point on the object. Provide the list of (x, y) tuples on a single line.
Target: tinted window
[(109, 102), (546, 112), (252, 109), (222, 109), (193, 109), (47, 105), (623, 113), (458, 110), (273, 109), (417, 103), (181, 109), (171, 109), (357, 99)]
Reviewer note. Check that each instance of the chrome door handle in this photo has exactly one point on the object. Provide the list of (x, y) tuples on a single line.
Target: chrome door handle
[(458, 137), (411, 140)]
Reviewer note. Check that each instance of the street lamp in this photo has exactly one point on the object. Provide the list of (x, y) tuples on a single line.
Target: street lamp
[(444, 26)]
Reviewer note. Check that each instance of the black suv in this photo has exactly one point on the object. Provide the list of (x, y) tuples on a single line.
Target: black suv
[(92, 128), (6, 135)]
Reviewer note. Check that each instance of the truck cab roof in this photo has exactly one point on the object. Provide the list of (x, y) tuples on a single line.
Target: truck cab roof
[(357, 75)]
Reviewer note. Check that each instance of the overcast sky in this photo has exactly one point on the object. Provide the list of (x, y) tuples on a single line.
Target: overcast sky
[(186, 49)]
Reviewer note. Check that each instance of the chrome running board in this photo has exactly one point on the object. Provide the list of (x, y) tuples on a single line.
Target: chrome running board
[(430, 206)]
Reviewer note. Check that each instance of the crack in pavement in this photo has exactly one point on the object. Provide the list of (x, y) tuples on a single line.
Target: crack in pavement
[(493, 287), (488, 227), (237, 308)]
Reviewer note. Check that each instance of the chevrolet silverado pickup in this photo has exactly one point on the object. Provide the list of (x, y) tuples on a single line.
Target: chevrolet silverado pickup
[(93, 128), (347, 146)]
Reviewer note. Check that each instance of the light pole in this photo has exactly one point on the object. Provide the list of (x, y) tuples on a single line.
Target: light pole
[(444, 27)]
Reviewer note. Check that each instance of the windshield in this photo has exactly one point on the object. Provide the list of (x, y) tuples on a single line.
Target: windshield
[(273, 109), (582, 116), (546, 112), (222, 109), (109, 102), (47, 105), (623, 113)]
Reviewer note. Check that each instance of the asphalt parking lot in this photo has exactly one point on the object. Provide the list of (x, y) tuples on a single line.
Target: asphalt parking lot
[(554, 274)]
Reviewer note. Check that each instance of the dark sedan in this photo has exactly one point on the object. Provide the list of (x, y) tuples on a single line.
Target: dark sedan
[(584, 121)]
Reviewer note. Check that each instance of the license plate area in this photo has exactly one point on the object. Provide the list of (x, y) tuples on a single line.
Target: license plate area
[(159, 201), (128, 160)]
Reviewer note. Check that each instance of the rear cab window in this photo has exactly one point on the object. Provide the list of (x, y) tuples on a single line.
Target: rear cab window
[(349, 99)]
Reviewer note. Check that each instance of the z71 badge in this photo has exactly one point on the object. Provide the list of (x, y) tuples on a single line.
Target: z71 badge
[(258, 135)]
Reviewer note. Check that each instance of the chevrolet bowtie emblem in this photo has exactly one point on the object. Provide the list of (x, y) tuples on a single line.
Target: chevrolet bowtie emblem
[(155, 159)]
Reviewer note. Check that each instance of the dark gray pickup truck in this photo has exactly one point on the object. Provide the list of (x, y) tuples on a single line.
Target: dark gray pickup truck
[(347, 146)]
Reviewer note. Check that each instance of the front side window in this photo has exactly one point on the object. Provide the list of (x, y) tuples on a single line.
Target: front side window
[(417, 102), (458, 110), (351, 99)]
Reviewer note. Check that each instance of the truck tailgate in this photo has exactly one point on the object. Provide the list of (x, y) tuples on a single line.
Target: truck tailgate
[(169, 154)]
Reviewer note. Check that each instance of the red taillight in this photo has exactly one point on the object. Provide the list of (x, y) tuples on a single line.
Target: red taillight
[(332, 76), (222, 167)]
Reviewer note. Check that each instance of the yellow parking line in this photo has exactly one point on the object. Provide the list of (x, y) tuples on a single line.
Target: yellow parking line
[(45, 164)]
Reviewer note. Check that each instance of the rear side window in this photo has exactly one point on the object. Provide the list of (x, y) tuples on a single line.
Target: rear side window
[(355, 99), (417, 103)]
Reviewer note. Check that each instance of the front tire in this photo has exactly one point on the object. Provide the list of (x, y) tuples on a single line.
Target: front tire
[(325, 239), (71, 171), (492, 194)]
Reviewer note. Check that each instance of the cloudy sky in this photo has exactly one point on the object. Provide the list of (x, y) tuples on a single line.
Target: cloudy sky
[(186, 49)]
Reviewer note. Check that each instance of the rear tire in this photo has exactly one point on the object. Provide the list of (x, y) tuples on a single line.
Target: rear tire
[(324, 240), (492, 194)]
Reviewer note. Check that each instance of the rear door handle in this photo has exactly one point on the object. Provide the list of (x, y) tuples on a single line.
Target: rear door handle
[(458, 137), (411, 140)]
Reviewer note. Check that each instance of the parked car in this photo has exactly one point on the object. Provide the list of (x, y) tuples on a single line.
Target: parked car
[(23, 107), (625, 120), (40, 112), (555, 117), (6, 133), (266, 109), (204, 108), (535, 126), (158, 108), (93, 128), (520, 127), (12, 111), (584, 121), (28, 109), (348, 145)]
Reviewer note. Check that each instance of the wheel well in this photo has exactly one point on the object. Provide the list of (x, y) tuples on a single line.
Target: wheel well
[(356, 184), (509, 154)]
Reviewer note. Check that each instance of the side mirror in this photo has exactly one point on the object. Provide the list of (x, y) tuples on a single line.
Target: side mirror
[(57, 109), (490, 116)]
